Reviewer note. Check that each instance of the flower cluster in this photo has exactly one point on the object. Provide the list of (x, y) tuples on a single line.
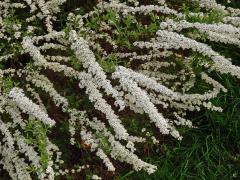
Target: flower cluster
[(27, 106)]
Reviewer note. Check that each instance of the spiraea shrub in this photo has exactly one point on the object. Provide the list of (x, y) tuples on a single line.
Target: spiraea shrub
[(85, 81)]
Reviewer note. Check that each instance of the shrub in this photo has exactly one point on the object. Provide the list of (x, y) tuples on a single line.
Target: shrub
[(81, 75)]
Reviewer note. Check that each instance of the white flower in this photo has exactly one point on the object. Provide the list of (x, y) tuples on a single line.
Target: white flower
[(27, 106)]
